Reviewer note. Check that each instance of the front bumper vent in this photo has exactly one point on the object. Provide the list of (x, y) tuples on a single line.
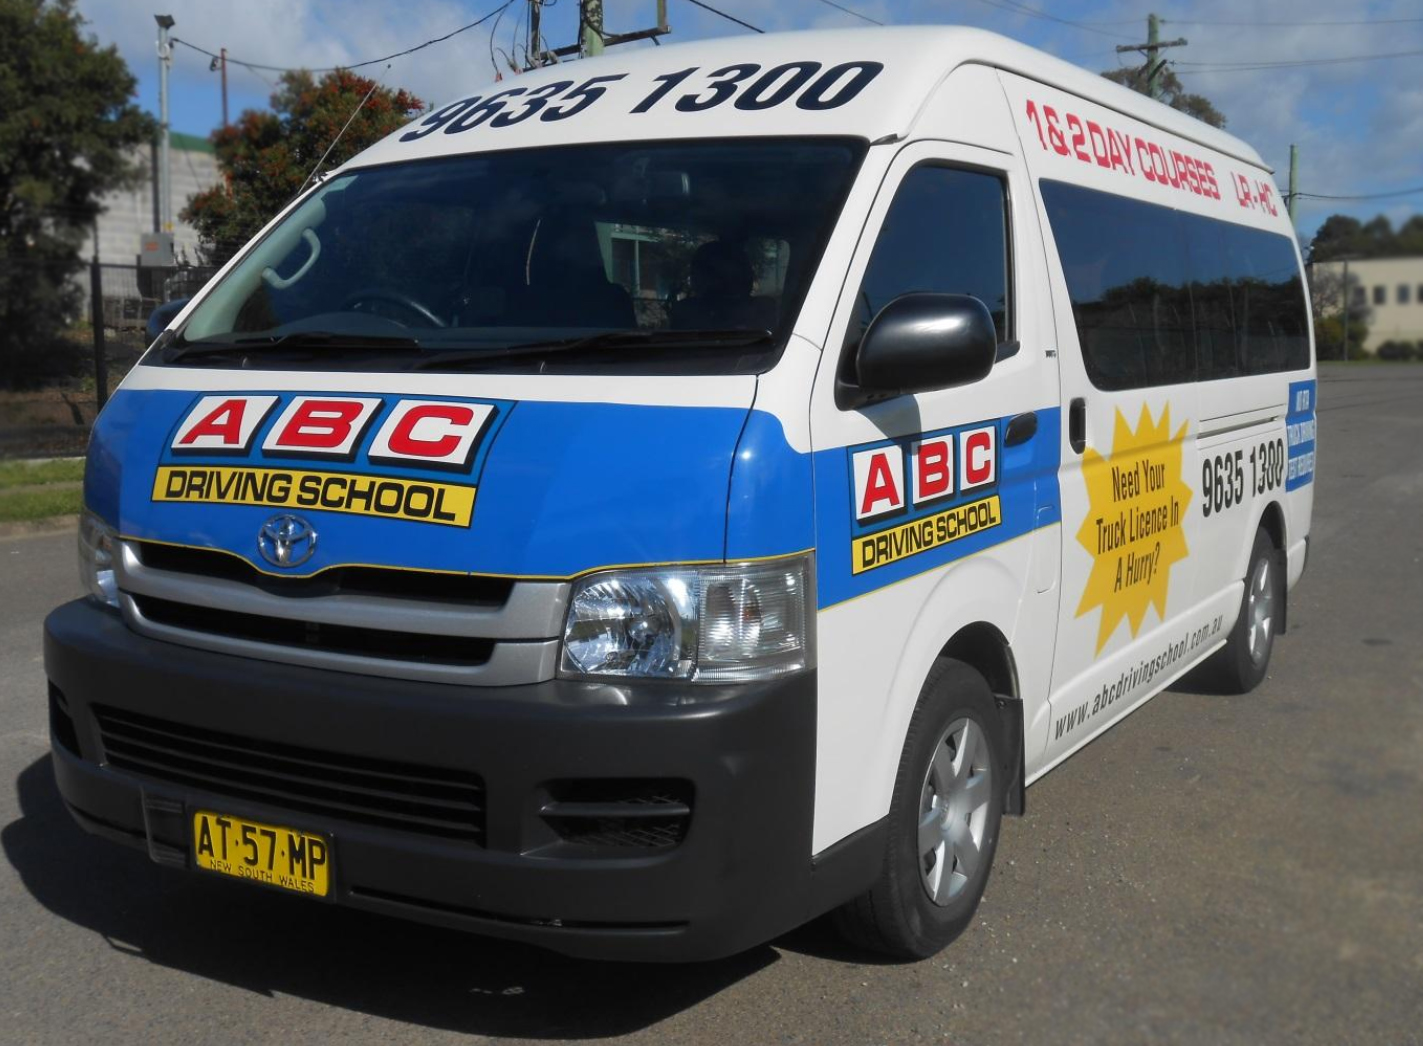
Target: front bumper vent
[(619, 815)]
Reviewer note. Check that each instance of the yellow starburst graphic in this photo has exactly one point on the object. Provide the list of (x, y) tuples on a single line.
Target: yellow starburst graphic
[(1133, 527)]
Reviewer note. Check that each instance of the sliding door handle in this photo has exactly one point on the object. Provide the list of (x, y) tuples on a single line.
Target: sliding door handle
[(1077, 425)]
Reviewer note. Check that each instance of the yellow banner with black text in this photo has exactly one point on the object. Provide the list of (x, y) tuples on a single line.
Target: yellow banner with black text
[(920, 535), (449, 504)]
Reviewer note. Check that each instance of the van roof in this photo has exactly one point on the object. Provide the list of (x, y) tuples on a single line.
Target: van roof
[(915, 61)]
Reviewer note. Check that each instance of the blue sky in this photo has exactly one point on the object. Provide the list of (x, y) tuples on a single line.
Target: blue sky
[(1359, 124)]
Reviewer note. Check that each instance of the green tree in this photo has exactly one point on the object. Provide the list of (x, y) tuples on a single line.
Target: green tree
[(68, 128), (1329, 298), (266, 155), (1173, 93), (1341, 236), (1410, 236), (1338, 236)]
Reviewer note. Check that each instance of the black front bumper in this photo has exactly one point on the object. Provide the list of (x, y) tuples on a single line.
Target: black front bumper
[(741, 874)]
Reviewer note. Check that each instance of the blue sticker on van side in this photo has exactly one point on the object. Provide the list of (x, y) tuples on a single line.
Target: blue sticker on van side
[(1299, 433), (894, 508)]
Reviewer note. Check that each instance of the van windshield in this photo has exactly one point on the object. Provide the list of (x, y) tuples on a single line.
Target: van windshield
[(682, 257)]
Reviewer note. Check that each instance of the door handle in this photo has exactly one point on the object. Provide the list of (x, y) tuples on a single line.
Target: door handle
[(1021, 429), (1077, 425)]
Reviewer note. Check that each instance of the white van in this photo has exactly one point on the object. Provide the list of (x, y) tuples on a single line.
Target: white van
[(663, 498)]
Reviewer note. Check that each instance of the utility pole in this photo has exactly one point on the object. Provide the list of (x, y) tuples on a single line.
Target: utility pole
[(1294, 181), (1154, 44), (219, 64), (165, 174), (1348, 305), (590, 27), (534, 47), (592, 39)]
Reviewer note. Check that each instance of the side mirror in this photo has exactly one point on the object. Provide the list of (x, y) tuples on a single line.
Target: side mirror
[(161, 316), (920, 342)]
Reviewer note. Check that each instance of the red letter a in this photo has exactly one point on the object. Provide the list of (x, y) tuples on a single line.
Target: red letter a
[(224, 423), (880, 486)]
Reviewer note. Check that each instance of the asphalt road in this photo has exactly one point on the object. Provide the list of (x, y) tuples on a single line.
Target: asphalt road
[(1214, 870)]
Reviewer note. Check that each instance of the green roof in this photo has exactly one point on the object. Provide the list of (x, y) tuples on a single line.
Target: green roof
[(191, 143)]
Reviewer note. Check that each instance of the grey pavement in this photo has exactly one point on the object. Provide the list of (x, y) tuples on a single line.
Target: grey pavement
[(1214, 870)]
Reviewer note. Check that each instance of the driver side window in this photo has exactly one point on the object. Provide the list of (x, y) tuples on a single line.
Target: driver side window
[(946, 232)]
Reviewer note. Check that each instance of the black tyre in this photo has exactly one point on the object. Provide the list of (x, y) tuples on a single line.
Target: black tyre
[(1240, 665), (944, 821)]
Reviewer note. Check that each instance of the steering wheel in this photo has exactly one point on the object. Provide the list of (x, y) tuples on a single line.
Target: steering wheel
[(405, 301)]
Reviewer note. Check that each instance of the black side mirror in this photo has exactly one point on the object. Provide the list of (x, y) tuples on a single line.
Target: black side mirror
[(920, 342), (161, 316)]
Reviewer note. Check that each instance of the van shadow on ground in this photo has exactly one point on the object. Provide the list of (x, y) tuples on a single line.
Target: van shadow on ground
[(268, 943)]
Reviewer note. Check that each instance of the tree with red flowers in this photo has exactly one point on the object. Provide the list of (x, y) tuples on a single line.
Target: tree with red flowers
[(266, 155)]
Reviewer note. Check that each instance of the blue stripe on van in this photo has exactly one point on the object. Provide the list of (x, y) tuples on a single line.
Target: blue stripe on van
[(564, 488)]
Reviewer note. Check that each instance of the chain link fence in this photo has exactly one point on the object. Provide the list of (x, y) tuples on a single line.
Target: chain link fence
[(48, 404)]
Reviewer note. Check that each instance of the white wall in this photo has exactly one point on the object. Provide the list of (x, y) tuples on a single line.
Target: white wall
[(128, 214), (1393, 320)]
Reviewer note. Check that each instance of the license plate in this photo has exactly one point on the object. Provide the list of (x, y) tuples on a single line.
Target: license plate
[(262, 853)]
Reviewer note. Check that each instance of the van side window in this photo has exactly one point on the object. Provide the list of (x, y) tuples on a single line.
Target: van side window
[(947, 232), (1161, 296), (1261, 275), (1125, 265)]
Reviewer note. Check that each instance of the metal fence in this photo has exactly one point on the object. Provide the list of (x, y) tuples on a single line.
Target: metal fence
[(49, 407)]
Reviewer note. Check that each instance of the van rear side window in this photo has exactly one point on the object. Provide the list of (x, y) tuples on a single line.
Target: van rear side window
[(1161, 297)]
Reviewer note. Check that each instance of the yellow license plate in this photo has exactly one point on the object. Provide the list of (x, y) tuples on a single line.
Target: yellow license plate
[(262, 853)]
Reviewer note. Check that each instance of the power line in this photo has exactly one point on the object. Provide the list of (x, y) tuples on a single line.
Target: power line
[(723, 14), (1225, 67), (848, 11), (1013, 7), (1296, 25), (354, 65), (1363, 196)]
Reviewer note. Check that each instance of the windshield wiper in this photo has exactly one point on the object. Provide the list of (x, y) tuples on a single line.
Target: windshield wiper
[(604, 341), (280, 343)]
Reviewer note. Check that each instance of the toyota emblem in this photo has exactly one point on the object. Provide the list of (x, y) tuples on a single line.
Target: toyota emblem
[(286, 541)]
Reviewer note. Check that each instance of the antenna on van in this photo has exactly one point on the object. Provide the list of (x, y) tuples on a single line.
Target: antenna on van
[(349, 120)]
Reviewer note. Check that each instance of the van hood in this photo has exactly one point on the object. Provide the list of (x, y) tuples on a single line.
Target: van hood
[(501, 486)]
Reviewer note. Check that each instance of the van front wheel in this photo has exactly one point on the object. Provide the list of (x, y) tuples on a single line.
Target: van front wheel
[(943, 821), (1240, 665)]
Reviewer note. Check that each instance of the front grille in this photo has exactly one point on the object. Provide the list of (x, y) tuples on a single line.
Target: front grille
[(423, 800), (381, 621), (349, 640), (419, 585), (620, 814)]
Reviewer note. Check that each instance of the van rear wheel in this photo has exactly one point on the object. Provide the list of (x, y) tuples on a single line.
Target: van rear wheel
[(1240, 665), (944, 821)]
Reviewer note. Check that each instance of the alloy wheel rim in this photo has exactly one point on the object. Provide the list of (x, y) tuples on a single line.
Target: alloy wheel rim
[(953, 811), (1260, 611)]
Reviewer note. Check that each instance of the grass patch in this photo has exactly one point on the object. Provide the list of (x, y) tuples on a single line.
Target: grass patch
[(40, 503), (28, 474)]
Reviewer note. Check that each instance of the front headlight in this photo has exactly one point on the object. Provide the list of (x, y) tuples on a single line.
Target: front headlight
[(97, 546), (700, 624)]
